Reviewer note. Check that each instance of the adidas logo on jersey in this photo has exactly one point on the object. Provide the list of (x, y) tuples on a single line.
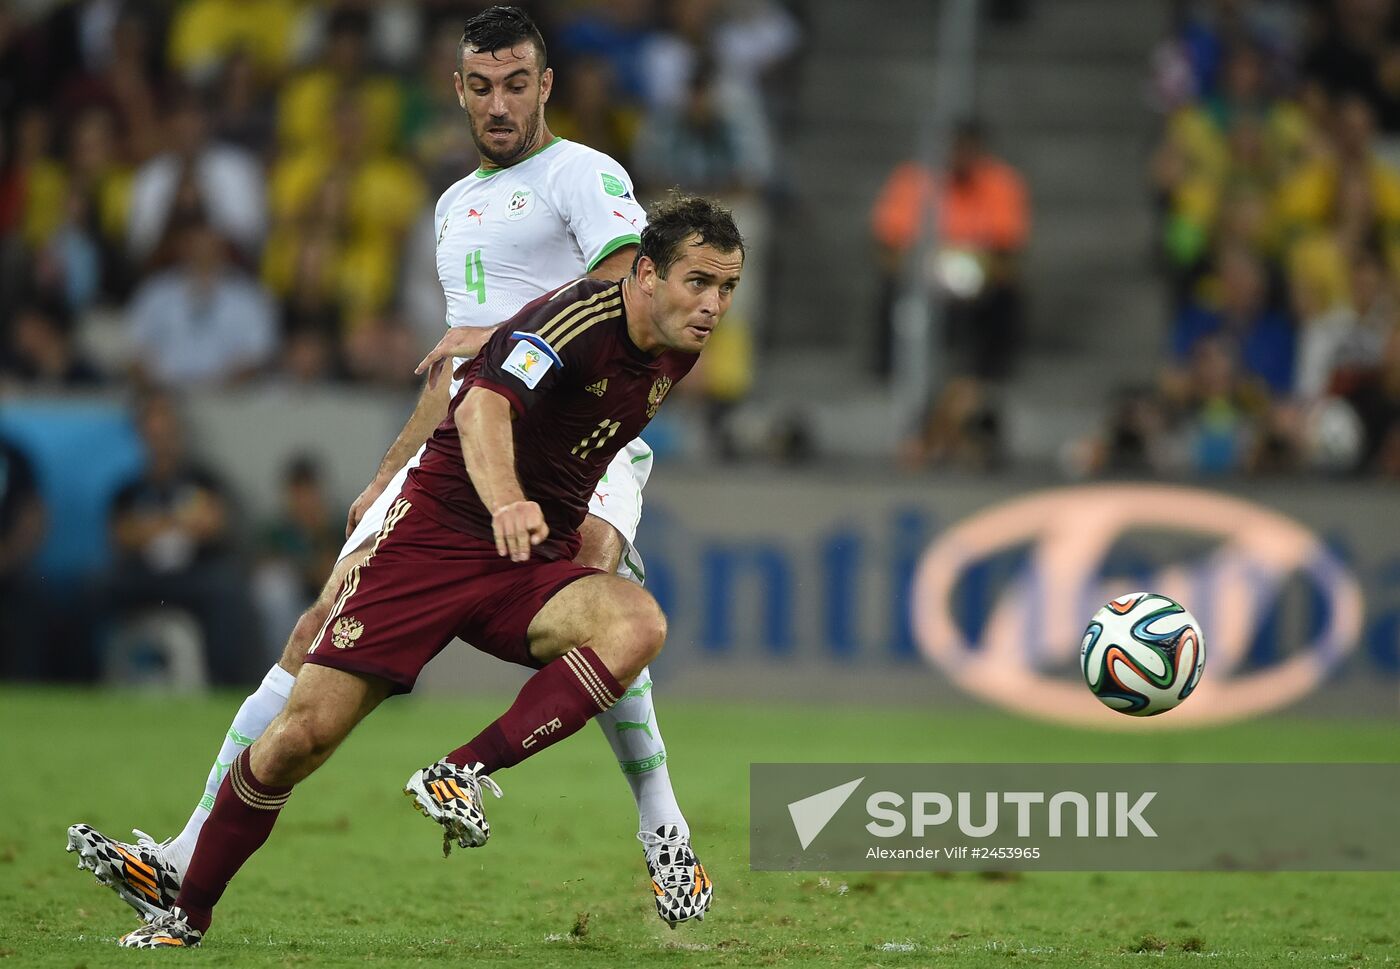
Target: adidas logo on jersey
[(598, 389)]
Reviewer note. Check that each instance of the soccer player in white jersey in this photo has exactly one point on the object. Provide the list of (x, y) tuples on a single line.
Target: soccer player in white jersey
[(539, 212)]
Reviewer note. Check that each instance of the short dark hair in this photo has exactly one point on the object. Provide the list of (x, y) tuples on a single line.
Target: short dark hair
[(302, 469), (500, 28), (679, 217), (970, 128), (50, 308), (349, 20)]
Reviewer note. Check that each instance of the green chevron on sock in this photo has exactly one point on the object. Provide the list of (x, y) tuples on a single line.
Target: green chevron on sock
[(642, 690), (624, 725)]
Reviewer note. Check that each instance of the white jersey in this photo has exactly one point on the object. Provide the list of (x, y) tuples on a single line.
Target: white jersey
[(507, 235)]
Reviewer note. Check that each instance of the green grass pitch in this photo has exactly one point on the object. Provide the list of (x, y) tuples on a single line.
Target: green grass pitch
[(353, 877)]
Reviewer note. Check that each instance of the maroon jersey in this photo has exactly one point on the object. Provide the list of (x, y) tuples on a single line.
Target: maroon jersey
[(580, 390)]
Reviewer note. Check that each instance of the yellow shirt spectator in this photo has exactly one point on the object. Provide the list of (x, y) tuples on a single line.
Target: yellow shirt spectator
[(306, 110), (369, 204), (204, 32), (1215, 153), (384, 193), (1310, 198), (46, 202)]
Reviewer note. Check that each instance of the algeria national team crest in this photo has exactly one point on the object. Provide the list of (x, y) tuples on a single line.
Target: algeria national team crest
[(658, 393), (521, 204)]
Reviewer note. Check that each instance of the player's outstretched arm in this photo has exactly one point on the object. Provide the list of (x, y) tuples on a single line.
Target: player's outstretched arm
[(488, 447), (427, 414)]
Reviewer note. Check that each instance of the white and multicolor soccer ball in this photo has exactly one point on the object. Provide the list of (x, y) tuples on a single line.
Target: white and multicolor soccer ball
[(1142, 654)]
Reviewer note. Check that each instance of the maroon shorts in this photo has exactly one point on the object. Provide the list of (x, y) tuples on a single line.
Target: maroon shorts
[(424, 584)]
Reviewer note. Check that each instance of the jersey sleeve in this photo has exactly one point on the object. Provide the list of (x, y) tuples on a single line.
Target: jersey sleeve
[(596, 198), (547, 342)]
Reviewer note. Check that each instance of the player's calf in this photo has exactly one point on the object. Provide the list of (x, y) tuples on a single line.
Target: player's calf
[(324, 707)]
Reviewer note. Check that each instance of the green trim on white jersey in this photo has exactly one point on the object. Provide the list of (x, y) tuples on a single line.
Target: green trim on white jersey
[(529, 228), (488, 172), (631, 239)]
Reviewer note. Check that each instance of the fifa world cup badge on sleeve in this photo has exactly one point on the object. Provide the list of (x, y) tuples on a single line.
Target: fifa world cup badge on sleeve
[(614, 186), (529, 361)]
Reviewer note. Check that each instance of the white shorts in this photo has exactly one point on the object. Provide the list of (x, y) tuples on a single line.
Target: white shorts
[(617, 501)]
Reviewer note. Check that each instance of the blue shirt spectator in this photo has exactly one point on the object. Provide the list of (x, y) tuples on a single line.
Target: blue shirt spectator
[(1263, 337), (617, 32), (1264, 342), (203, 322)]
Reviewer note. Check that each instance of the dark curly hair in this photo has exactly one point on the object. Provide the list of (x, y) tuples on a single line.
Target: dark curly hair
[(676, 219), (501, 28)]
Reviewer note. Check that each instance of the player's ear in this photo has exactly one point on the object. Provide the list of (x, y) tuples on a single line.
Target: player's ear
[(646, 275), (546, 84), (461, 89)]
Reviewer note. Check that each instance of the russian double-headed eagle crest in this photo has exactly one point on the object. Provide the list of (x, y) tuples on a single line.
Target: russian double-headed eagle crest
[(347, 629), (659, 390)]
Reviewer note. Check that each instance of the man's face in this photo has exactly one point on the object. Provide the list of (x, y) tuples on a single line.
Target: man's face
[(695, 294), (304, 500), (202, 248), (1368, 279), (1243, 285), (160, 430), (504, 94), (1244, 76), (188, 129)]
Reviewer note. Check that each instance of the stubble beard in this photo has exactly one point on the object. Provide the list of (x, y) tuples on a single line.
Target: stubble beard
[(530, 132)]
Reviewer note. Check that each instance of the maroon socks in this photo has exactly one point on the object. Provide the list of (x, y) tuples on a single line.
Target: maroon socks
[(244, 813), (553, 704)]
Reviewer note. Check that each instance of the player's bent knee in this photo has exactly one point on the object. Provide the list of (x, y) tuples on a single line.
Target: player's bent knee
[(650, 635), (638, 635)]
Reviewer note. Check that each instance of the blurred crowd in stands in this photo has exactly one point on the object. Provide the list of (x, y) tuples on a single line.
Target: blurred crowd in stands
[(207, 192), (199, 194), (1277, 182), (981, 211)]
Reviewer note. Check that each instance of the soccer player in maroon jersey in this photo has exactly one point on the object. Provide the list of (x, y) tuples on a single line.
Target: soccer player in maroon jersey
[(480, 545), (552, 212)]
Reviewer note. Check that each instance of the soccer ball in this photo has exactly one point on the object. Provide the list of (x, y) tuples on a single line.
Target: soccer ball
[(1142, 654)]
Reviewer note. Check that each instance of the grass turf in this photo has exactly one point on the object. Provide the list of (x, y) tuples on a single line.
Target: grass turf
[(353, 877)]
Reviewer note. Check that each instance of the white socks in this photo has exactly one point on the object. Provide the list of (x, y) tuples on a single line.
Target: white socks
[(248, 724), (631, 729)]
